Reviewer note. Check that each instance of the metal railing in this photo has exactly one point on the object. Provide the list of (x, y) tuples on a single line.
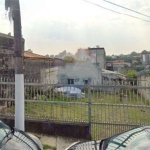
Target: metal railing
[(109, 109)]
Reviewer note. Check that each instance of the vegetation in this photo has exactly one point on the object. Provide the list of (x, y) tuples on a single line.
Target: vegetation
[(47, 147), (69, 58), (130, 73), (133, 58), (131, 109)]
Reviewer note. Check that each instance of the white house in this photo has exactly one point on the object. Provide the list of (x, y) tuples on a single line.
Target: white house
[(77, 73)]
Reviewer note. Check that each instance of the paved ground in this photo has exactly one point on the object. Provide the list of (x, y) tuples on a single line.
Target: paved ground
[(63, 143), (55, 143)]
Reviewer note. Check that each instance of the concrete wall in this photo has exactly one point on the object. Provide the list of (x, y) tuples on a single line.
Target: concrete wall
[(96, 56), (78, 71), (144, 81), (49, 76), (100, 56), (72, 130)]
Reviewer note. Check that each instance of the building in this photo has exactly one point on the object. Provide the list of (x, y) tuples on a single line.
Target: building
[(100, 56), (109, 66), (7, 62), (145, 55), (77, 73), (33, 63), (119, 64), (97, 56)]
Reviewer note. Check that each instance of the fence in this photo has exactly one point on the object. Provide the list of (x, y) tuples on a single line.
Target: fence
[(108, 112)]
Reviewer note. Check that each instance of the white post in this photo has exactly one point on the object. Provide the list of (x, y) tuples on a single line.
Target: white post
[(15, 15), (19, 101)]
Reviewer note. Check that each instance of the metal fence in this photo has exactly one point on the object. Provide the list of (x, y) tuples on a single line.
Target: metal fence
[(108, 109)]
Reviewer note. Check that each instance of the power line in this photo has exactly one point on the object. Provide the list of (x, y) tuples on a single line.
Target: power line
[(127, 8), (116, 11)]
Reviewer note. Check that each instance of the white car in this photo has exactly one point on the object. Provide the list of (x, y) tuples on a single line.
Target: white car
[(70, 91), (14, 139), (134, 139)]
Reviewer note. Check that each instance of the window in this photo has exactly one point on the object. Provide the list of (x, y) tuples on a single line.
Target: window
[(85, 81), (70, 81)]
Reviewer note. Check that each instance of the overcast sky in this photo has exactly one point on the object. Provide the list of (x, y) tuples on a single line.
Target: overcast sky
[(51, 26)]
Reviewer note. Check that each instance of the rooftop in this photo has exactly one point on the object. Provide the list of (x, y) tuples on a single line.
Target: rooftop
[(28, 54)]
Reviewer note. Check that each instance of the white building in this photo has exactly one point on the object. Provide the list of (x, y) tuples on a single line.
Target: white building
[(78, 73)]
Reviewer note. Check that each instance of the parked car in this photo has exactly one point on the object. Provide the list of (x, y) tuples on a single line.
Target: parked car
[(14, 139), (134, 139), (70, 91)]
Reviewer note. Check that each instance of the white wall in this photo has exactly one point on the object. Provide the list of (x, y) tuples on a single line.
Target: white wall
[(49, 76), (79, 71), (144, 81)]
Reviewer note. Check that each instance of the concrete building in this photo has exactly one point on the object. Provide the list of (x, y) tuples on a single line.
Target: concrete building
[(33, 62), (145, 55), (97, 56), (77, 73), (119, 64)]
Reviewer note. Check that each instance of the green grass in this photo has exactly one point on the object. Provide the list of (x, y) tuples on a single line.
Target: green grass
[(47, 147), (102, 110)]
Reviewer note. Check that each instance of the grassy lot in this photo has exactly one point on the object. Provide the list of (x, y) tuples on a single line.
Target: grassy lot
[(106, 108)]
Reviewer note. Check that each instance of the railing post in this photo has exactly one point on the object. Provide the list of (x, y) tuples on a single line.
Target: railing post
[(89, 107)]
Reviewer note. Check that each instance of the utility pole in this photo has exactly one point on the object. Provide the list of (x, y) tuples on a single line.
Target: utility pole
[(14, 7)]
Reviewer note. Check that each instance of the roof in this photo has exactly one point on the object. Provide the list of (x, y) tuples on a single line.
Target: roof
[(31, 55), (96, 48), (116, 74), (28, 54)]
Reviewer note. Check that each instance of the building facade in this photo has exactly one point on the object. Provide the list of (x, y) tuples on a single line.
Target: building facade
[(96, 56), (77, 73)]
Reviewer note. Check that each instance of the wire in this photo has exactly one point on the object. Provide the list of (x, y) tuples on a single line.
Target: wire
[(116, 11), (126, 8)]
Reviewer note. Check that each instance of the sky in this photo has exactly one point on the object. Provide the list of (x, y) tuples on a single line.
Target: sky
[(51, 26)]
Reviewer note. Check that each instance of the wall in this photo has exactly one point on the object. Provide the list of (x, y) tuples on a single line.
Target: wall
[(49, 75), (100, 56), (78, 71), (144, 81), (72, 130)]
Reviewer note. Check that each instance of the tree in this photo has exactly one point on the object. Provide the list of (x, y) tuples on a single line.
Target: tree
[(133, 54), (109, 58), (69, 58), (144, 52), (130, 73)]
